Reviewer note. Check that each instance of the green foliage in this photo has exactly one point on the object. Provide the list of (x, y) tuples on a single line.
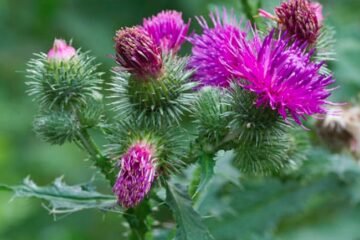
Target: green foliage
[(160, 101), (63, 198), (64, 84), (265, 208), (189, 223), (57, 127)]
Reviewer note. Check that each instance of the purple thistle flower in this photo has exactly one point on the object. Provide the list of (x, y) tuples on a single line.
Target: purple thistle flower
[(300, 18), (136, 175), (137, 53), (282, 76), (209, 52), (167, 29)]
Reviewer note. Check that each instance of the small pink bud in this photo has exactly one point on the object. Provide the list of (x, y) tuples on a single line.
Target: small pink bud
[(317, 7), (61, 51)]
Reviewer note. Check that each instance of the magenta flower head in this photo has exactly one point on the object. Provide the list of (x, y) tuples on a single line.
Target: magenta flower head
[(282, 76), (300, 18), (136, 175), (167, 29), (137, 53), (209, 51), (61, 51)]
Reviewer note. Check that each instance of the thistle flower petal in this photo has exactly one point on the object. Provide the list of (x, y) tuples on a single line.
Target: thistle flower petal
[(167, 29), (136, 175), (282, 76), (61, 51), (209, 52), (137, 53)]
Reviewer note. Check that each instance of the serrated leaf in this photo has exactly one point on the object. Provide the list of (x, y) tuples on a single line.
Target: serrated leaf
[(63, 198), (189, 223)]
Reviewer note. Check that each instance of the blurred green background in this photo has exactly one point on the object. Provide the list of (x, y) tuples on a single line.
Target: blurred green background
[(28, 26)]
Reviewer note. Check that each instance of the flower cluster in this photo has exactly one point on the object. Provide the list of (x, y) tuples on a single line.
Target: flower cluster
[(139, 49), (278, 69), (240, 87)]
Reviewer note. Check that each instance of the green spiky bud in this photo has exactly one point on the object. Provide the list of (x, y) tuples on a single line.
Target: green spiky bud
[(265, 144), (63, 82), (267, 157), (57, 127), (253, 124), (162, 100), (209, 114)]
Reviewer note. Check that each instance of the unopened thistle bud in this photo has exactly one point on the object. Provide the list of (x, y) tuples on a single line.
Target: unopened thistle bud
[(61, 51), (299, 18), (138, 171), (137, 53), (63, 78), (167, 29)]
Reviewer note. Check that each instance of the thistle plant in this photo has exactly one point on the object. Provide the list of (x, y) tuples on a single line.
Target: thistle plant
[(241, 91)]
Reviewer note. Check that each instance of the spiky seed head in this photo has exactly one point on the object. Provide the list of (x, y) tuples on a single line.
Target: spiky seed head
[(61, 51), (137, 53), (167, 29), (138, 171), (300, 18)]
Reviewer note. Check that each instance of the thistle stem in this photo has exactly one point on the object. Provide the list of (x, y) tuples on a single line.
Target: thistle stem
[(101, 161), (136, 217)]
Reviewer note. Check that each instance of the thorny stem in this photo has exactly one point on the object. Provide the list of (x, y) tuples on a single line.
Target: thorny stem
[(102, 162), (136, 217)]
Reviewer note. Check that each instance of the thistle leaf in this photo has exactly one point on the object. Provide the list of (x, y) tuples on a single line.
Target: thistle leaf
[(63, 198), (189, 222)]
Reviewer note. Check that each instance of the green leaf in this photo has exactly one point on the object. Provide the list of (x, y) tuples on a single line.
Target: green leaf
[(63, 198), (207, 164), (189, 222)]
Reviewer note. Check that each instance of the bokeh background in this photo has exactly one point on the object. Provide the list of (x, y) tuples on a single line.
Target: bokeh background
[(28, 26)]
